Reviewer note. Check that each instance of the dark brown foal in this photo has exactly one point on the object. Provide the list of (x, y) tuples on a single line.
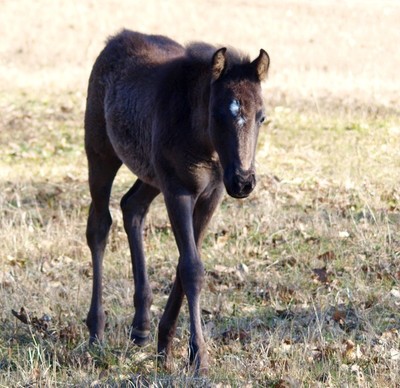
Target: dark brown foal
[(185, 121)]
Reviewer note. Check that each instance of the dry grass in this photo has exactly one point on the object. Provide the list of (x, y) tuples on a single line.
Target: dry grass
[(302, 290)]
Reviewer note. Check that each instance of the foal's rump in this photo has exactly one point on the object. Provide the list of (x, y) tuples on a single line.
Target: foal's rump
[(138, 48), (122, 90)]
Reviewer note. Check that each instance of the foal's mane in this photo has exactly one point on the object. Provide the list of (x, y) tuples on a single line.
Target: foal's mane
[(202, 53)]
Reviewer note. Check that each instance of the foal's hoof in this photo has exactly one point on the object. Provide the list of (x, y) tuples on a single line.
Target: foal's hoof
[(166, 360), (94, 341), (139, 337), (199, 368), (198, 362)]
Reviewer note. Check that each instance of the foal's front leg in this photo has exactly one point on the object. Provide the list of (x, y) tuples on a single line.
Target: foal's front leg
[(203, 211), (190, 278), (169, 320)]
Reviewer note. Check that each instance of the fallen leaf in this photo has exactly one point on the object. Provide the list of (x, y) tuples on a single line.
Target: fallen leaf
[(222, 238), (16, 261), (349, 352), (212, 287), (36, 374), (103, 374), (233, 334), (390, 334), (7, 279), (339, 316), (287, 382), (395, 354), (349, 344), (69, 333), (223, 269), (285, 293), (321, 275), (327, 256), (22, 315)]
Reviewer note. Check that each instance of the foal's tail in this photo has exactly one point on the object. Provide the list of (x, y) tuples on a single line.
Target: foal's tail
[(96, 138)]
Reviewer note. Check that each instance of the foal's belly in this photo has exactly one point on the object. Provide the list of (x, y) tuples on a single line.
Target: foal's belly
[(131, 139), (137, 160)]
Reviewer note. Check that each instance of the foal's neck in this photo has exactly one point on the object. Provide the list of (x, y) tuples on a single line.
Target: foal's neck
[(200, 99)]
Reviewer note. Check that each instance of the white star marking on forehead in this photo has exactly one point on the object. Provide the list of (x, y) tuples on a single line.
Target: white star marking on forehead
[(234, 107)]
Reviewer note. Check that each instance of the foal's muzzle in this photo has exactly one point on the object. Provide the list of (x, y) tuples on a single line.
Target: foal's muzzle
[(239, 184)]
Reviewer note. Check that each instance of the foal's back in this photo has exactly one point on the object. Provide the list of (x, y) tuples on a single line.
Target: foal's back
[(129, 52)]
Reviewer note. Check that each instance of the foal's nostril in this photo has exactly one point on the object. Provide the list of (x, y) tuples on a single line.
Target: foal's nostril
[(244, 186), (247, 187)]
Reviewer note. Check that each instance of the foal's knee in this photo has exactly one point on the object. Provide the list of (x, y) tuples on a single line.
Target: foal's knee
[(192, 276), (98, 226)]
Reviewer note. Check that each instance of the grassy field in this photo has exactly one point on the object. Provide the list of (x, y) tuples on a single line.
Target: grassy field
[(302, 289)]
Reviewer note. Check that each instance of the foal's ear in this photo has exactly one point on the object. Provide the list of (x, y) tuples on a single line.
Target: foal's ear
[(218, 63), (261, 65)]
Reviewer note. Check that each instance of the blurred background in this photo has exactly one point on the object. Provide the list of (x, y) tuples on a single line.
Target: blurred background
[(344, 51)]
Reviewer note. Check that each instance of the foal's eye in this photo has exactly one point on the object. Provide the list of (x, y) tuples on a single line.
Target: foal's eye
[(260, 117)]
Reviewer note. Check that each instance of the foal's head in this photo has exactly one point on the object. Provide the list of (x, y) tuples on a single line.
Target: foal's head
[(236, 113)]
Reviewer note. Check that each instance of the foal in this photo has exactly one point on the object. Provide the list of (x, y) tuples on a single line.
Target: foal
[(185, 121)]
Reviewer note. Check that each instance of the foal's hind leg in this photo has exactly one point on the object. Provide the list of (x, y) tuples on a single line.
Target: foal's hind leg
[(135, 205), (102, 171)]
